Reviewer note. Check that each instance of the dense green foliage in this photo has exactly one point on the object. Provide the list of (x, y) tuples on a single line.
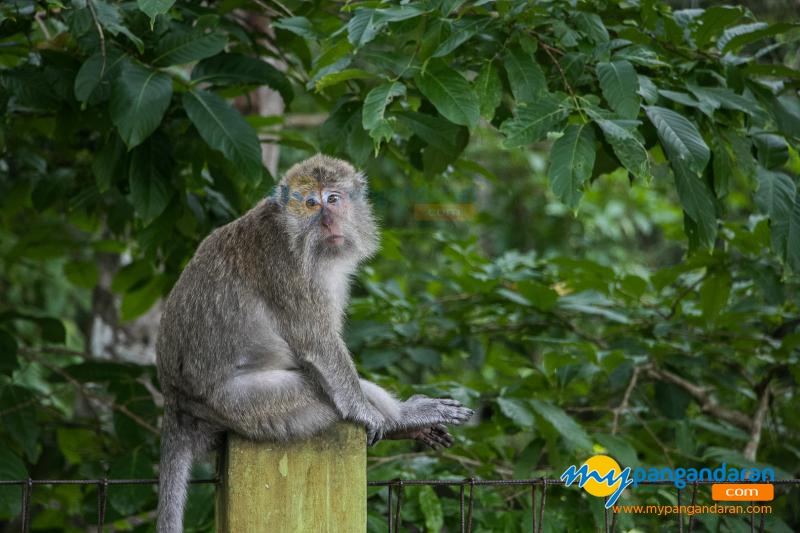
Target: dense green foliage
[(628, 286)]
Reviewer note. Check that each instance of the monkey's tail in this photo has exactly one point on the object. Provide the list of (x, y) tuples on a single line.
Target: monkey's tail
[(179, 445)]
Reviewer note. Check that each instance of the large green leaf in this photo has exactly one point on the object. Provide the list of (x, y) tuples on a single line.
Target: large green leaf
[(517, 410), (130, 499), (178, 48), (711, 23), (224, 129), (620, 87), (299, 26), (564, 424), (450, 93), (775, 197), (714, 294), (461, 31), (534, 120), (489, 90), (149, 178), (239, 69), (571, 163), (697, 201), (679, 137), (372, 114), (97, 69), (443, 135), (736, 37), (793, 237), (524, 75), (367, 23), (627, 145), (139, 99), (153, 8)]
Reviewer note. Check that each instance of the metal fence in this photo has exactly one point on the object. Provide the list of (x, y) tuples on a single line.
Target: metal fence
[(395, 498)]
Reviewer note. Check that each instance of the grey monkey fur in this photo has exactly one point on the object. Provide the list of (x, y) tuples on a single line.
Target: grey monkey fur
[(250, 338)]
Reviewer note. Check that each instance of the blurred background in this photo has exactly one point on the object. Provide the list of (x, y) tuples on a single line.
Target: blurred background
[(627, 286)]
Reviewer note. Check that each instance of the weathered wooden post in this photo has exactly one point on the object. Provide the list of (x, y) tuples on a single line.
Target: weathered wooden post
[(318, 485)]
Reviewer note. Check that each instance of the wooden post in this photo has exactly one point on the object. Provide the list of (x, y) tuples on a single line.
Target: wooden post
[(318, 485)]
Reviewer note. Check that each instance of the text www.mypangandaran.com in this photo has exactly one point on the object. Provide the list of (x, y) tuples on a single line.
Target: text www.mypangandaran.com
[(691, 509)]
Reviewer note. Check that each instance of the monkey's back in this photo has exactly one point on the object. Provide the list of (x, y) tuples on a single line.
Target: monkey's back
[(208, 316)]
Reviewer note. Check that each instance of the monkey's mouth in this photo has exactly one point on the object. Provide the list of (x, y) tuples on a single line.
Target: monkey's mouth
[(334, 240)]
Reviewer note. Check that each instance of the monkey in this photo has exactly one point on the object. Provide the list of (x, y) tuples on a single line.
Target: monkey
[(250, 339)]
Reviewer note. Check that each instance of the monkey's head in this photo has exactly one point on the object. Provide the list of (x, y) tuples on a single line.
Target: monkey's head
[(326, 211)]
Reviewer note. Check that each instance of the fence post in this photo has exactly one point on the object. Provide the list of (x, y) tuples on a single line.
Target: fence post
[(317, 485)]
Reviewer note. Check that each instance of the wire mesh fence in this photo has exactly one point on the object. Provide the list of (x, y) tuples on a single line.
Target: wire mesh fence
[(466, 494)]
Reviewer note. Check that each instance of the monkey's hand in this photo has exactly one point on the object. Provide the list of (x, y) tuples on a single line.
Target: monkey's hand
[(374, 422), (437, 437), (421, 411)]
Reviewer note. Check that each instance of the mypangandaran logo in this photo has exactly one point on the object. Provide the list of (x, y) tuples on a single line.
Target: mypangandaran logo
[(602, 476)]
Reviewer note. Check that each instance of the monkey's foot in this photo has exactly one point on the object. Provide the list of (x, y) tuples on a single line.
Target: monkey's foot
[(437, 437), (436, 410)]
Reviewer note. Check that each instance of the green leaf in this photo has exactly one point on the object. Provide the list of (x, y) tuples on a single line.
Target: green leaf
[(137, 302), (150, 179), (793, 237), (540, 296), (592, 25), (450, 93), (367, 23), (711, 23), (129, 499), (110, 164), (139, 99), (680, 138), (153, 8), (184, 47), (775, 197), (335, 78), (517, 411), (431, 509), (239, 69), (94, 70), (697, 201), (525, 76), (82, 273), (8, 353), (725, 98), (734, 38), (564, 424), (437, 132), (714, 294), (11, 468), (571, 163), (773, 150), (461, 31), (489, 90), (299, 26), (110, 17), (628, 147), (534, 120), (224, 129), (375, 103), (620, 87)]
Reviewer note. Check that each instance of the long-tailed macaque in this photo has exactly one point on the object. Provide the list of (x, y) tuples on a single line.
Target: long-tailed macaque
[(251, 336)]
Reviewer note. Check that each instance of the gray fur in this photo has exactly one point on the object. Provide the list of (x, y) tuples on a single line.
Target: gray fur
[(250, 339)]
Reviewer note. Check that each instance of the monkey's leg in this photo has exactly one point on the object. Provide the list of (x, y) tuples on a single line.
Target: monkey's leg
[(435, 436), (271, 405)]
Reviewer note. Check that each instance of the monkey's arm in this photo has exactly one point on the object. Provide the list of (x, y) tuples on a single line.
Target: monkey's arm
[(330, 366)]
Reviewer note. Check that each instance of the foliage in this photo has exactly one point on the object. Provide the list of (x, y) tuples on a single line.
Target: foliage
[(571, 335)]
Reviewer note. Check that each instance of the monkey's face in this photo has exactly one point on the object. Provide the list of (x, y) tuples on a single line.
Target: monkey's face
[(326, 218)]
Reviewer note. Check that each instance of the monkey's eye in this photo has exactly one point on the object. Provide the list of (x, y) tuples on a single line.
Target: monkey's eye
[(333, 198), (311, 202)]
